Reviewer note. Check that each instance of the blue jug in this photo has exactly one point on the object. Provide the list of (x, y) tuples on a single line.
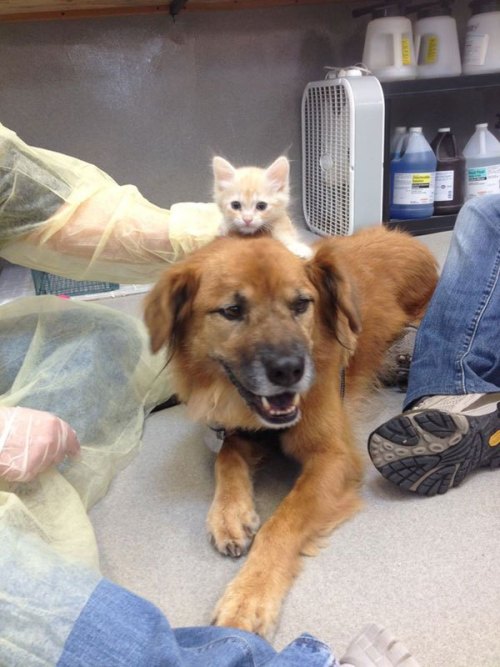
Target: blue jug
[(413, 174)]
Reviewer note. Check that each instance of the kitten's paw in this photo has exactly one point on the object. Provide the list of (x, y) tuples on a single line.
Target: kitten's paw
[(300, 249)]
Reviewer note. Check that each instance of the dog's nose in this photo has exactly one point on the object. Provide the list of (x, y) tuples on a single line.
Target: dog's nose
[(285, 371)]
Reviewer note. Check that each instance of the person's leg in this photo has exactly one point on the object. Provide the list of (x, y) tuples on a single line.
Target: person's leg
[(119, 629), (456, 364), (456, 348), (57, 611)]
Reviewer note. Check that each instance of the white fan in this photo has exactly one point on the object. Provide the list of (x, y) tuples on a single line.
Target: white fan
[(342, 152)]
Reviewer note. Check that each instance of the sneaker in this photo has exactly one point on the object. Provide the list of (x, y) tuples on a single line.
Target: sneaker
[(377, 647), (437, 443)]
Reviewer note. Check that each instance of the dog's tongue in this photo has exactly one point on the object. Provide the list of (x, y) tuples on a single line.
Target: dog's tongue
[(281, 401), (281, 408)]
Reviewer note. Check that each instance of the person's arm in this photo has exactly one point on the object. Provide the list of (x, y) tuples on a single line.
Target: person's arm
[(65, 216)]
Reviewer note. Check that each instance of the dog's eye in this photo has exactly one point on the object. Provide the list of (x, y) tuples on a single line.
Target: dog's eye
[(261, 205), (234, 312), (300, 305), (236, 205)]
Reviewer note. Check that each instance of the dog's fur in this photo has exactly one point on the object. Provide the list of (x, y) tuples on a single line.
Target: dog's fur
[(244, 318)]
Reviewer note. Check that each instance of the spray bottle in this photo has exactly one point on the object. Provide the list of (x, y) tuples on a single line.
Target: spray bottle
[(388, 51), (436, 40)]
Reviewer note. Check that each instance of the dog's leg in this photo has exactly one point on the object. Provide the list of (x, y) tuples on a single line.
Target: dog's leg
[(232, 520), (324, 495)]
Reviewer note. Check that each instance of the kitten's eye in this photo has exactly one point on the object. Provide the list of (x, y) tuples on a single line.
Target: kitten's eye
[(300, 305), (234, 312), (236, 205), (261, 205)]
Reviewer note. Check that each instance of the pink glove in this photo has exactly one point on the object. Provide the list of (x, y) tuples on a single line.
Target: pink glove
[(31, 441)]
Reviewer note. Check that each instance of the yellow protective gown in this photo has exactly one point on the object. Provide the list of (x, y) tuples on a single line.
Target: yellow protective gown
[(91, 366), (86, 363), (64, 216)]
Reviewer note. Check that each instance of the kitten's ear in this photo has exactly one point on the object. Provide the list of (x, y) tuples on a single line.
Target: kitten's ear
[(224, 172), (277, 174)]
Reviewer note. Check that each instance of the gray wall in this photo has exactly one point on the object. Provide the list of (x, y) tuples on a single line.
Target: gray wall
[(150, 101)]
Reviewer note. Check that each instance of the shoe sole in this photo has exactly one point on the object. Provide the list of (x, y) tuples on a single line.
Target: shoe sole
[(431, 451)]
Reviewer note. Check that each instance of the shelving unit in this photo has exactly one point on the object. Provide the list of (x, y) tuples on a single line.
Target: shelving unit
[(39, 10), (460, 102)]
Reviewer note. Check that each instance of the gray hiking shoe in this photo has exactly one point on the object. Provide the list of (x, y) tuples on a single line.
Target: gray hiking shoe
[(434, 446)]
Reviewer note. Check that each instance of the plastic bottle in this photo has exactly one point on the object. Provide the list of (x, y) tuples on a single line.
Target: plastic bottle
[(388, 50), (450, 173), (436, 40), (412, 179), (482, 163), (482, 40)]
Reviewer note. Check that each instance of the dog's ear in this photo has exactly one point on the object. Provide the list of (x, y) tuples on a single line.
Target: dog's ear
[(168, 306), (336, 293)]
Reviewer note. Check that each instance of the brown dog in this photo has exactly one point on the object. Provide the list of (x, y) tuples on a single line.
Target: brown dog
[(257, 339)]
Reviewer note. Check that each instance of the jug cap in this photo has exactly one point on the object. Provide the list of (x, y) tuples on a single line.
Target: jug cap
[(444, 129), (479, 126), (380, 10), (483, 6), (434, 8), (416, 129)]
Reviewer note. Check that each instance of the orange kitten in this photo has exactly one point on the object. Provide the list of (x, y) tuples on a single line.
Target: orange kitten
[(254, 200)]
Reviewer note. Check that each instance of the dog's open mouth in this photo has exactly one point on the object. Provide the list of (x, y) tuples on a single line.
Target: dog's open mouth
[(280, 409)]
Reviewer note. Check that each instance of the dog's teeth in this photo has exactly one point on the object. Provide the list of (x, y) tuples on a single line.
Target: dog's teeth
[(276, 412)]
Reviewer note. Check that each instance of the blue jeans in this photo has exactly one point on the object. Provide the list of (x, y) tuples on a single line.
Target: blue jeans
[(54, 611), (457, 349), (119, 629)]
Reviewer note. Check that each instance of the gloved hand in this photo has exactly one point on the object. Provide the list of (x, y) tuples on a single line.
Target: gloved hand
[(31, 441)]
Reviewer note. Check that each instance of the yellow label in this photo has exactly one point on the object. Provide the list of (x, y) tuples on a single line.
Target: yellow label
[(405, 51), (421, 179), (494, 439), (431, 51)]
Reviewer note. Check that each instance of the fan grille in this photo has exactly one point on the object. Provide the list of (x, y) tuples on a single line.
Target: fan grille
[(327, 182)]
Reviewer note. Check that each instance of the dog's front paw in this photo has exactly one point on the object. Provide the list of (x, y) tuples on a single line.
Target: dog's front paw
[(232, 528), (248, 609)]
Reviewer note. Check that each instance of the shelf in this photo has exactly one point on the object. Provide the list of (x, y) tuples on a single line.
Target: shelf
[(441, 85), (36, 10), (410, 95), (438, 223)]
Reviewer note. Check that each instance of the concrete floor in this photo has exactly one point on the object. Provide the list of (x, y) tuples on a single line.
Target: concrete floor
[(426, 568)]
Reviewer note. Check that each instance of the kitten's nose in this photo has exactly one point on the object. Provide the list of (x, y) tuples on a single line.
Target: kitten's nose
[(247, 221)]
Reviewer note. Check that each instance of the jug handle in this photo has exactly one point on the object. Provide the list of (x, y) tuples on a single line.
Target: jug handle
[(418, 39), (397, 52)]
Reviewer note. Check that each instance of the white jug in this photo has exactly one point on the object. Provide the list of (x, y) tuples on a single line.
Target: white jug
[(436, 40), (482, 163), (482, 40), (388, 51)]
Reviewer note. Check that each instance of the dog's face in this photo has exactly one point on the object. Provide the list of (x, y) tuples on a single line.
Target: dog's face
[(239, 317)]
